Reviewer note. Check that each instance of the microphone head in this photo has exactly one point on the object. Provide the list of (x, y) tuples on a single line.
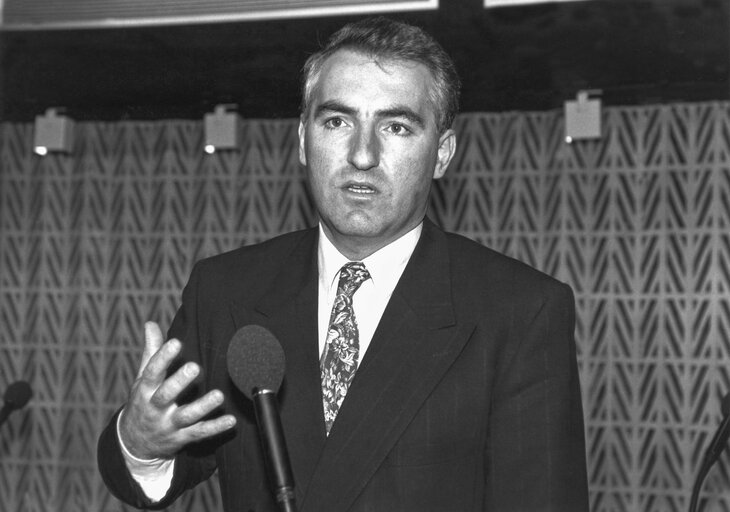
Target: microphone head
[(255, 360), (17, 394)]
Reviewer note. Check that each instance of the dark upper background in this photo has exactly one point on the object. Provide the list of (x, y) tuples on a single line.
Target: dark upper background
[(516, 58)]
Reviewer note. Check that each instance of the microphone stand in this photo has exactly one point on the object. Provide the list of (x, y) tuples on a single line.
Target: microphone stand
[(713, 452), (697, 487)]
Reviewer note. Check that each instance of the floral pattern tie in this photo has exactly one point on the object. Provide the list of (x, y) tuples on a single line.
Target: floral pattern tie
[(339, 357)]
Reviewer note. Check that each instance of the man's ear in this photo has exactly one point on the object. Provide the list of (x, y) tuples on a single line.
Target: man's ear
[(446, 150), (302, 152)]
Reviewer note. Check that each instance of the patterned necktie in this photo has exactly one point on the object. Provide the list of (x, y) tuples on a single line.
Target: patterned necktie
[(339, 358)]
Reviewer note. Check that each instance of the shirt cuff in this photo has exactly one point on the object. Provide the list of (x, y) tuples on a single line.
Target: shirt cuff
[(154, 476)]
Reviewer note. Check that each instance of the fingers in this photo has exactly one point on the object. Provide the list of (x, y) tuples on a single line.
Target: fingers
[(188, 426), (170, 388), (155, 372), (194, 412), (163, 436), (152, 342), (209, 428), (153, 424)]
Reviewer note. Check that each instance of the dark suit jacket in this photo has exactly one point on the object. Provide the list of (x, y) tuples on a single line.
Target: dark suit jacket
[(467, 400)]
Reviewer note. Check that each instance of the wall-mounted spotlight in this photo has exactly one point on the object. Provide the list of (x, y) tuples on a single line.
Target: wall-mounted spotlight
[(583, 117), (53, 132), (221, 129)]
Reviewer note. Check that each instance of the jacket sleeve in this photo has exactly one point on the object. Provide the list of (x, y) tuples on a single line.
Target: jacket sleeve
[(537, 446), (114, 470)]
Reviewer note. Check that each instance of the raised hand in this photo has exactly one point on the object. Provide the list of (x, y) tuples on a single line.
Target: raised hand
[(152, 424)]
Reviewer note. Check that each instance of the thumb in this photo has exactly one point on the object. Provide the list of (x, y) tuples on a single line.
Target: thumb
[(152, 342)]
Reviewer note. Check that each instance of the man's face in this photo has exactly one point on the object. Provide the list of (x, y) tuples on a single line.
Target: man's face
[(371, 148)]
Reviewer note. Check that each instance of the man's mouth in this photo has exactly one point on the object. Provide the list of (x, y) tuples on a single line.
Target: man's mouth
[(360, 189)]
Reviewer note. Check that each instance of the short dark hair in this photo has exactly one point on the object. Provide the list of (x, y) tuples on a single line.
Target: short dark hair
[(383, 38)]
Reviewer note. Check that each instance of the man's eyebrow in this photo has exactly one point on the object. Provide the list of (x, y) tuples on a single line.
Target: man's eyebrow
[(329, 107), (403, 112)]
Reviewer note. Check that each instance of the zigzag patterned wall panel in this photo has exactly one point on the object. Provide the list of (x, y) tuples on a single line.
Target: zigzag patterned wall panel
[(94, 243)]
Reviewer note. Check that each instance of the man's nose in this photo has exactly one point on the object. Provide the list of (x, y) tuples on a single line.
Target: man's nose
[(364, 149)]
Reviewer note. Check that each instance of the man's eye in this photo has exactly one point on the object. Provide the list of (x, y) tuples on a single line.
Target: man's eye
[(334, 122), (398, 129)]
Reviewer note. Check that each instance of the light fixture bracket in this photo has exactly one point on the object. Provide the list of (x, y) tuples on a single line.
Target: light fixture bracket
[(53, 132), (221, 128)]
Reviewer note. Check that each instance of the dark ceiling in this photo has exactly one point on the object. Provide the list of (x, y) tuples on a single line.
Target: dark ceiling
[(516, 58)]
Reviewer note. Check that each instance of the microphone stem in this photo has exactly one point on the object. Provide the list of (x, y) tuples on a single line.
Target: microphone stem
[(275, 452), (287, 506)]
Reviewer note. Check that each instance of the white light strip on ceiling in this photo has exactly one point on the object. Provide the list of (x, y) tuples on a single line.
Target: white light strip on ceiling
[(508, 3), (253, 15)]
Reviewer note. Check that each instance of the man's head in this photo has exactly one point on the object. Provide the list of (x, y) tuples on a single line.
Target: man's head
[(384, 39), (373, 134)]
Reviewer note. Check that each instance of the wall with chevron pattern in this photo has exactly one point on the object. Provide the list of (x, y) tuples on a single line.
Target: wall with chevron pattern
[(94, 243)]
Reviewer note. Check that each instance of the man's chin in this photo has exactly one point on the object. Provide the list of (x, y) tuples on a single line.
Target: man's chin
[(357, 232), (356, 223), (354, 229)]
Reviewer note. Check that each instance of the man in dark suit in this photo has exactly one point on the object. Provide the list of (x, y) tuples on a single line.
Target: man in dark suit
[(444, 378)]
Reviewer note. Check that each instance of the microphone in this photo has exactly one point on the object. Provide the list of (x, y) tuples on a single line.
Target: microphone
[(16, 396), (256, 364), (713, 452)]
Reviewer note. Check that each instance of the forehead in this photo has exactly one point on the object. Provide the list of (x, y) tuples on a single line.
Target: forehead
[(371, 81)]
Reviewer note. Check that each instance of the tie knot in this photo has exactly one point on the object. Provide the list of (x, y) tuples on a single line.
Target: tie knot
[(352, 275)]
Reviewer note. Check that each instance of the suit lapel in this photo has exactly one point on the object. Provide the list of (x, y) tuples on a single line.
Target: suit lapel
[(416, 342), (289, 311)]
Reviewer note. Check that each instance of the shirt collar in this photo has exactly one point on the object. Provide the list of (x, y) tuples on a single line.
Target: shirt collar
[(384, 265)]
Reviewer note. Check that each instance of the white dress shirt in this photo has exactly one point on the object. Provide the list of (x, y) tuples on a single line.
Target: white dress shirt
[(385, 267)]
